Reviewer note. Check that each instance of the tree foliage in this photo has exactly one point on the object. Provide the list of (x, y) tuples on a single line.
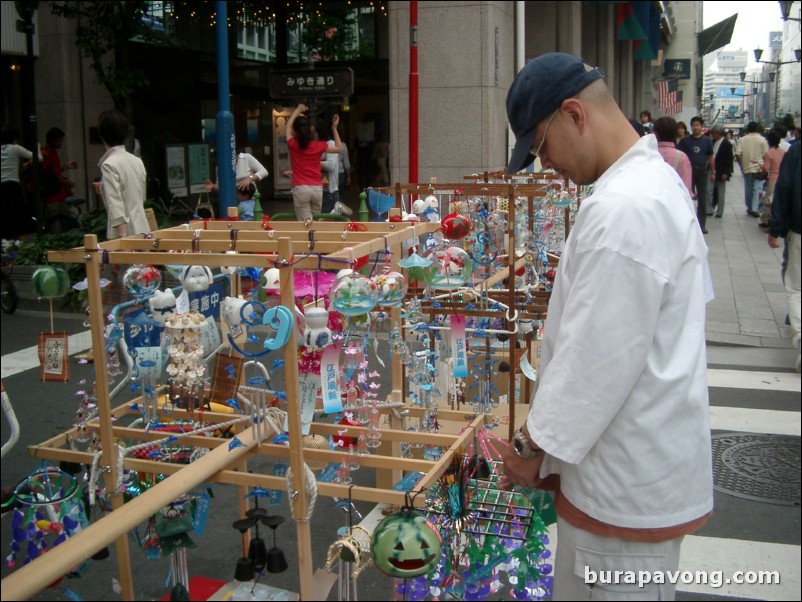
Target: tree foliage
[(331, 36), (787, 122), (102, 35)]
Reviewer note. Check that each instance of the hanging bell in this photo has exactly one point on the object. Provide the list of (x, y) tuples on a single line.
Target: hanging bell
[(257, 553), (276, 561), (244, 570)]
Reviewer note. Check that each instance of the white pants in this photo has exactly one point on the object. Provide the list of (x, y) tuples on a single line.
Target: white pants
[(586, 566), (306, 200)]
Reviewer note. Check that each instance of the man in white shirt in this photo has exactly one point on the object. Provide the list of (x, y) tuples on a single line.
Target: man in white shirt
[(619, 423)]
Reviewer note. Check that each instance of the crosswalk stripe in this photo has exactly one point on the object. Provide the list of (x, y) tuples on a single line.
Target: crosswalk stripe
[(25, 359), (747, 379), (755, 421), (701, 553), (720, 558)]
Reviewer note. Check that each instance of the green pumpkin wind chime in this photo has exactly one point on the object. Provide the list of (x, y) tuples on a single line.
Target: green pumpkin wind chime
[(50, 283)]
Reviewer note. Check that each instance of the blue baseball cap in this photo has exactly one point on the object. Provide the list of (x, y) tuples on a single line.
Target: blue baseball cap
[(537, 91)]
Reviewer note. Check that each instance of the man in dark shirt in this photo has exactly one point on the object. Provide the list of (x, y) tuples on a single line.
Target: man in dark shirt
[(724, 165), (699, 149), (786, 221)]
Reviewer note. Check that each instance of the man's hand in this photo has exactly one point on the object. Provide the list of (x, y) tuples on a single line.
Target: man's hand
[(335, 120), (301, 108), (70, 165), (518, 471), (774, 242)]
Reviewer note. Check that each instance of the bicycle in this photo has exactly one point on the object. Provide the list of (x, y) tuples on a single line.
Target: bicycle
[(66, 220), (167, 201), (8, 294)]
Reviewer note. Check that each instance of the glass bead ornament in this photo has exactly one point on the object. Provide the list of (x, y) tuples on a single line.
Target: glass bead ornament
[(354, 295), (392, 287), (453, 267), (141, 280)]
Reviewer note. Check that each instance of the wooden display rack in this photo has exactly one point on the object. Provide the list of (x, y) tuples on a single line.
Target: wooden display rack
[(533, 306), (288, 246)]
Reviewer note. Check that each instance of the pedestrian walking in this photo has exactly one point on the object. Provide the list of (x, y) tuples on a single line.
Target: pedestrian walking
[(786, 222), (753, 147), (724, 160), (699, 149)]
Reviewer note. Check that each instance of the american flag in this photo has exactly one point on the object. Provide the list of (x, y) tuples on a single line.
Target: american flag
[(667, 90), (675, 105)]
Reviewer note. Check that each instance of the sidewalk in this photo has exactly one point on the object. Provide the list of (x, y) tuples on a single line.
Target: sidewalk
[(750, 304)]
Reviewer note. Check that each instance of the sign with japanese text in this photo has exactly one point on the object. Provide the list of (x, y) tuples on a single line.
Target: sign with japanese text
[(320, 83), (330, 380), (198, 167), (459, 348)]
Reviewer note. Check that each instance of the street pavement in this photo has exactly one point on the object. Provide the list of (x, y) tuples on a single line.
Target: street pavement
[(753, 390)]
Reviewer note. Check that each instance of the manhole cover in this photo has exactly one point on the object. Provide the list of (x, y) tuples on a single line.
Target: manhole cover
[(764, 468)]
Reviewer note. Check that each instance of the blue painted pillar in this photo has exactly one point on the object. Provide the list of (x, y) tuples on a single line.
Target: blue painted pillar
[(226, 145)]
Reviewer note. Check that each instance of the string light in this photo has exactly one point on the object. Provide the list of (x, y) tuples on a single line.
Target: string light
[(247, 14)]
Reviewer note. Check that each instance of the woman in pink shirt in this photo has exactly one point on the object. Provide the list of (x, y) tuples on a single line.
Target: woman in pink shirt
[(665, 129), (771, 165), (305, 154)]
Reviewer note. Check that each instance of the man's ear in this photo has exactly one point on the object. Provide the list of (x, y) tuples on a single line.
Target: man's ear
[(575, 110)]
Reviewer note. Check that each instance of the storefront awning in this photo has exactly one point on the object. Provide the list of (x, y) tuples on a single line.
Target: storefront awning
[(716, 36)]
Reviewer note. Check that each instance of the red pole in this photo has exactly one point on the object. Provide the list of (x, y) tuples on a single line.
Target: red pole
[(413, 92)]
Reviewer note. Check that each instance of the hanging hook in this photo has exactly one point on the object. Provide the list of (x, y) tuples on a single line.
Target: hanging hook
[(196, 241)]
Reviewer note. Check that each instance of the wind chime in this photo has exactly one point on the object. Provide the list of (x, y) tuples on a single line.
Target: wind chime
[(49, 509), (51, 283)]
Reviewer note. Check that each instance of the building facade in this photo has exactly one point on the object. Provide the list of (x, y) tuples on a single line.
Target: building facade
[(468, 54)]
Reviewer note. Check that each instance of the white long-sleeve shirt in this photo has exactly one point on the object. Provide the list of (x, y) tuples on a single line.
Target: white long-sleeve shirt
[(248, 165), (329, 165), (621, 406), (12, 154)]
